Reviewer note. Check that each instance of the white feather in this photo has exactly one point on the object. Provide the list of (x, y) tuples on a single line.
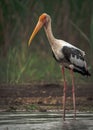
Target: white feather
[(77, 61)]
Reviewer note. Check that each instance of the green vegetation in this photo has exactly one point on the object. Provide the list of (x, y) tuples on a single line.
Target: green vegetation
[(71, 20), (20, 67), (32, 107)]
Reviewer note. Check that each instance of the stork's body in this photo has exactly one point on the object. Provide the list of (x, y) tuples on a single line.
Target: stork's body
[(66, 54), (71, 57)]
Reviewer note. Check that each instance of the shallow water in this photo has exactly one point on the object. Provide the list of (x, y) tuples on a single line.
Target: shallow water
[(45, 121)]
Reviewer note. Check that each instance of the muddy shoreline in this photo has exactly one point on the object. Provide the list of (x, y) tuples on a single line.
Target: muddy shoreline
[(43, 97)]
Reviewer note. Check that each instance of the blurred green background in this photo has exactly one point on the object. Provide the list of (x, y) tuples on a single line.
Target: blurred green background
[(72, 21)]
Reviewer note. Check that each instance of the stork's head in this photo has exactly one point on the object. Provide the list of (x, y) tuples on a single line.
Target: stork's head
[(43, 20)]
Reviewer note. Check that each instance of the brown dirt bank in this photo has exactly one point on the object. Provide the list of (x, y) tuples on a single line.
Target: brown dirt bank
[(43, 97)]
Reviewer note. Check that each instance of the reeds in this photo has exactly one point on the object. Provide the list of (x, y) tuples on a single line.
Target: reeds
[(71, 21)]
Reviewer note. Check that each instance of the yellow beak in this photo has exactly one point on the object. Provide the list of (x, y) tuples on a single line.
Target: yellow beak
[(37, 28)]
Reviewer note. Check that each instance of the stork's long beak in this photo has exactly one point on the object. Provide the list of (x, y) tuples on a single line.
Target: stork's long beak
[(37, 28)]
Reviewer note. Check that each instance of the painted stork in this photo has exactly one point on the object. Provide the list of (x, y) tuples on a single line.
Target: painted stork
[(67, 55)]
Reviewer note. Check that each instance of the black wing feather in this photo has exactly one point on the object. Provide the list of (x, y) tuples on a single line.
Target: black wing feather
[(69, 51), (76, 55)]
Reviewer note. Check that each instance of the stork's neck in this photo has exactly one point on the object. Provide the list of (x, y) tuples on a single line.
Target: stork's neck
[(49, 33)]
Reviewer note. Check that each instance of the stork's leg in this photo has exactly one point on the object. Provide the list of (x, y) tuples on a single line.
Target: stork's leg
[(64, 93), (73, 92)]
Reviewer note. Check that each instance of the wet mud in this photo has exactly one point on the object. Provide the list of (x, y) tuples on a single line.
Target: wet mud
[(43, 97)]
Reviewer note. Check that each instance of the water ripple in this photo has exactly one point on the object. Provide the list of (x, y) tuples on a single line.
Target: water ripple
[(45, 121)]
